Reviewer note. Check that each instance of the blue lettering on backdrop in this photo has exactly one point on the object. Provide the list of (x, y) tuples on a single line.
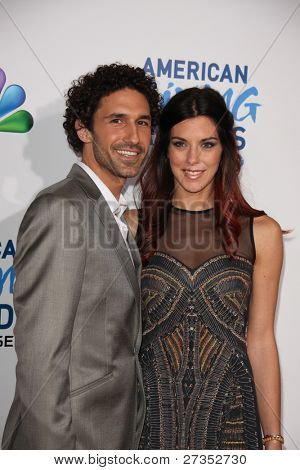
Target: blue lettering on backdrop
[(148, 67), (241, 75), (167, 93), (164, 69), (211, 77), (8, 275), (179, 69), (10, 316), (226, 74), (9, 250), (203, 72), (7, 278), (188, 69), (241, 100), (193, 68), (241, 107), (241, 142)]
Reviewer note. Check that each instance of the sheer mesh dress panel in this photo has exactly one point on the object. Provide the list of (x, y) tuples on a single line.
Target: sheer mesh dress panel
[(199, 387)]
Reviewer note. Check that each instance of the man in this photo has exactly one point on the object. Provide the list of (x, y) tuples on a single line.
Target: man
[(77, 298)]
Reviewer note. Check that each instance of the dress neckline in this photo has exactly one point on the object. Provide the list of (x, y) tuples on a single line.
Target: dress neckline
[(180, 209)]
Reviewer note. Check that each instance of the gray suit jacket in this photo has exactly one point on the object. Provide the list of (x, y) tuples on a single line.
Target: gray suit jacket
[(78, 329)]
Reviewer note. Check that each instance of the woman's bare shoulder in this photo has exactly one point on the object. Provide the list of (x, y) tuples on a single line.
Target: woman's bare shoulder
[(266, 225), (267, 235)]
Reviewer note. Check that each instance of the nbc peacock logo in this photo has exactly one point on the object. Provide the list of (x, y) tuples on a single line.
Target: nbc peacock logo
[(12, 98)]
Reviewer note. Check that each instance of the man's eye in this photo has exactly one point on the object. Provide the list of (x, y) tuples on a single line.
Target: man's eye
[(116, 121), (144, 123)]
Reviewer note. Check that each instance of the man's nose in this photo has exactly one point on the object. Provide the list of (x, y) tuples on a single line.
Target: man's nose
[(131, 133)]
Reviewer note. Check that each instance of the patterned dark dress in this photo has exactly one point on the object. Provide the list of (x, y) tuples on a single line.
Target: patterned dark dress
[(199, 387)]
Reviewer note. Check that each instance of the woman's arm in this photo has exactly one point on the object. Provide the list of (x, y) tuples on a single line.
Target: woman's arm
[(261, 343)]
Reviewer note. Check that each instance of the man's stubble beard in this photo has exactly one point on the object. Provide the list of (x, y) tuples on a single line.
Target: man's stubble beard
[(105, 160)]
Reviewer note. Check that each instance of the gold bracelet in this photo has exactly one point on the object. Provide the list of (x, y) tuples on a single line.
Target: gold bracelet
[(272, 437)]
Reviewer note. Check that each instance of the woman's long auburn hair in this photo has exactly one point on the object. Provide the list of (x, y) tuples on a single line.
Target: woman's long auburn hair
[(157, 181)]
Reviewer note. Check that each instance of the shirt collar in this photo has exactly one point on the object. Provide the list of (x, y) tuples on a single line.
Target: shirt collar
[(118, 207)]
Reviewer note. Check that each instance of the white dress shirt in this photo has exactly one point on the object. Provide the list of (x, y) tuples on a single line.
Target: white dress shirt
[(117, 207)]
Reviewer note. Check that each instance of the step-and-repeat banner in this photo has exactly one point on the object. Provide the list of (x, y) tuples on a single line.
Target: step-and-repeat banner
[(249, 51)]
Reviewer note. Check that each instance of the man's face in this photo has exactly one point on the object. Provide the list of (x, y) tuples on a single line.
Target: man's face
[(121, 132)]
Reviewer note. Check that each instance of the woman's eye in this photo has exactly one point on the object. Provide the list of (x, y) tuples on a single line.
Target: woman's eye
[(208, 145), (178, 143)]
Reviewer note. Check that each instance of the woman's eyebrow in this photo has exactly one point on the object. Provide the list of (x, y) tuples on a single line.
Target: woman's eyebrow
[(202, 140)]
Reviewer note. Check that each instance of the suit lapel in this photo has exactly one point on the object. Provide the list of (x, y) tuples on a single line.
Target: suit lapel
[(113, 238), (134, 250), (86, 183)]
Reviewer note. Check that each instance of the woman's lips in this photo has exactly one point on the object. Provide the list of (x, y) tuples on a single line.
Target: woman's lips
[(193, 174)]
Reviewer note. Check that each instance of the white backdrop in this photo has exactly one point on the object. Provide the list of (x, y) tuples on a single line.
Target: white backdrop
[(45, 45)]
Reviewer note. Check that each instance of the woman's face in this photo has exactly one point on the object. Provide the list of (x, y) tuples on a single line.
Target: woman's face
[(194, 152)]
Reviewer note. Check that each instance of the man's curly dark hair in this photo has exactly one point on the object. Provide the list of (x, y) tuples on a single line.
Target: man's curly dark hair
[(82, 99)]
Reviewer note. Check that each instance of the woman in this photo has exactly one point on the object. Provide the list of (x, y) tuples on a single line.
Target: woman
[(209, 286)]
